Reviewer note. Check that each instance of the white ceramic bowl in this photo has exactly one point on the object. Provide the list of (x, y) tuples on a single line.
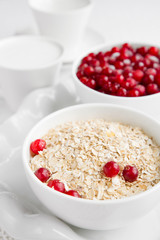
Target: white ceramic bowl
[(148, 104), (27, 63), (93, 214)]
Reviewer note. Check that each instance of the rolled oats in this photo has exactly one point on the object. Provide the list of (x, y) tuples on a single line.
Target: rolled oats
[(77, 151)]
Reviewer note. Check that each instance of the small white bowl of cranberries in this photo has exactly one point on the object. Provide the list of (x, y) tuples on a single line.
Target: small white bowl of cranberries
[(70, 206), (125, 74)]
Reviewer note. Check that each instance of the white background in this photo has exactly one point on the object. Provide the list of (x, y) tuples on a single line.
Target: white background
[(118, 20)]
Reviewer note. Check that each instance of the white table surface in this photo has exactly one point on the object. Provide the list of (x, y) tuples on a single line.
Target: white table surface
[(117, 20)]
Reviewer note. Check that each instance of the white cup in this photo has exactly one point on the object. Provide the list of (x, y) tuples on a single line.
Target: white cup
[(27, 63), (64, 20)]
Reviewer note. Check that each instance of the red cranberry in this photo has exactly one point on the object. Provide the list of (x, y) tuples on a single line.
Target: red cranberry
[(152, 58), (157, 80), (151, 71), (100, 56), (115, 49), (127, 62), (42, 174), (91, 83), (88, 58), (138, 75), (147, 61), (97, 70), (122, 56), (52, 182), (106, 58), (122, 92), (139, 65), (89, 71), (113, 68), (127, 46), (119, 78), (101, 80), (133, 93), (56, 185), (128, 72), (84, 80), (59, 186), (116, 72), (82, 66), (152, 88), (106, 87), (111, 61), (112, 79), (142, 50), (153, 51), (114, 87), (119, 64), (156, 66), (150, 74), (137, 57), (115, 55), (125, 53), (141, 89), (128, 69), (94, 63), (37, 146), (73, 193), (119, 71), (129, 83), (79, 74), (107, 54), (104, 64), (111, 169), (107, 71), (92, 55), (130, 173), (148, 79)]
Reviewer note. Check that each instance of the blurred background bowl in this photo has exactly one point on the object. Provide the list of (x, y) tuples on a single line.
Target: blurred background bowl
[(148, 104)]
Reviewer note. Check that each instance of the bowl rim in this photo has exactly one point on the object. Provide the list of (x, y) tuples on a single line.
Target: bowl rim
[(82, 200), (108, 47), (88, 5), (38, 37)]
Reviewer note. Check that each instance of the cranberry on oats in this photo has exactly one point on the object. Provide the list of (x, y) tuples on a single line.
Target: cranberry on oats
[(96, 159), (111, 169), (37, 145), (130, 173), (42, 174), (73, 193)]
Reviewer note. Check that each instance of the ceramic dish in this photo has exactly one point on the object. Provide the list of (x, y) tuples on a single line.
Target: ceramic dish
[(89, 214), (148, 104)]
